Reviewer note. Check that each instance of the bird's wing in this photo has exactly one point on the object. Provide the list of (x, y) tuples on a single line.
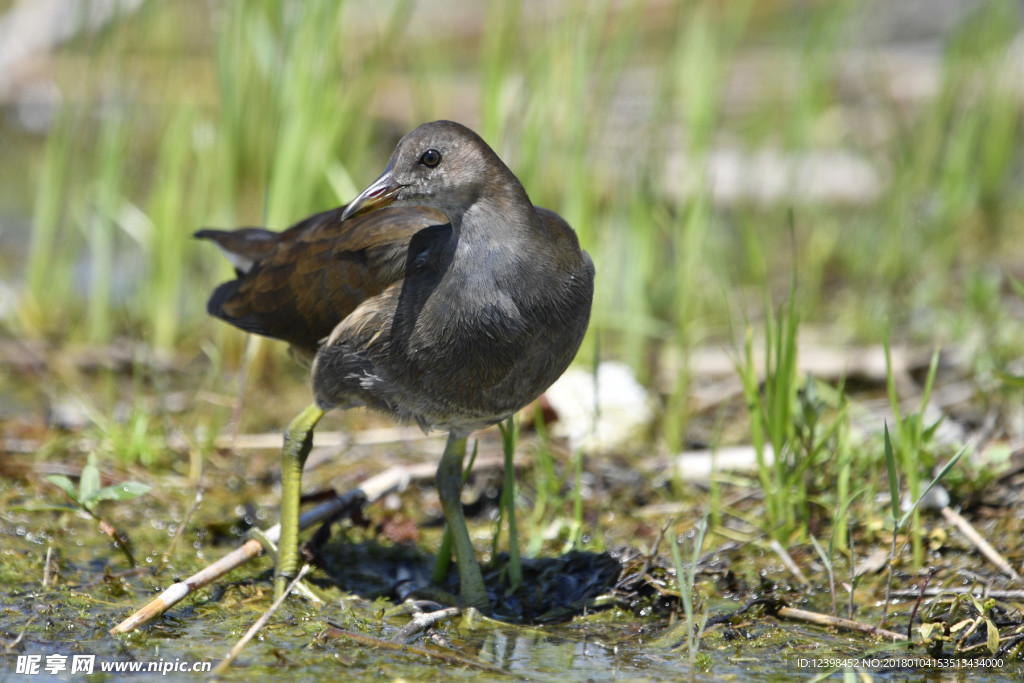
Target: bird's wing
[(317, 272)]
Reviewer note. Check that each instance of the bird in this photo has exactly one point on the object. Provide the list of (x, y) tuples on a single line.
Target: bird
[(439, 296)]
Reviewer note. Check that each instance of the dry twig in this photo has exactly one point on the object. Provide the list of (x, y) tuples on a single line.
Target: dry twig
[(837, 622), (372, 489), (179, 532), (788, 561), (260, 623), (980, 543), (421, 621)]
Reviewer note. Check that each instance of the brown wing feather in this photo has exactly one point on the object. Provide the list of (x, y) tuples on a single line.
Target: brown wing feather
[(317, 272)]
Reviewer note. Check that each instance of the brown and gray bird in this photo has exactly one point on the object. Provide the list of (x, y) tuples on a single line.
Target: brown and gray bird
[(440, 295)]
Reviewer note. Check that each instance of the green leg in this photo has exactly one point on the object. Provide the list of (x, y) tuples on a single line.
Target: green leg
[(444, 558), (449, 487), (298, 439), (509, 435), (444, 555)]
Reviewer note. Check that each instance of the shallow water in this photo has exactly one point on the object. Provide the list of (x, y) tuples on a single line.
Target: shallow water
[(90, 592)]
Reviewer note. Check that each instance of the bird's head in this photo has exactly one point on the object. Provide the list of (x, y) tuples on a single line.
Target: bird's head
[(441, 165)]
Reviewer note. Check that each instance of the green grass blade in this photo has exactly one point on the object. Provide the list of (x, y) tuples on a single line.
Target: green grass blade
[(894, 478)]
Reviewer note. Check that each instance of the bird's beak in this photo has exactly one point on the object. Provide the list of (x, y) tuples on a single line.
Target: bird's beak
[(382, 192)]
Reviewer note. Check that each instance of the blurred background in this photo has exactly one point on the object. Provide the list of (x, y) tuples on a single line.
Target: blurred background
[(709, 155), (792, 205)]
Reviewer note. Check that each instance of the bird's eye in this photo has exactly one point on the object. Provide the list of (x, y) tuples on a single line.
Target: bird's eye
[(431, 158)]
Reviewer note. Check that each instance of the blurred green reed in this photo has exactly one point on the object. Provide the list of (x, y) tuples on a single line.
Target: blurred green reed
[(192, 114), (283, 97)]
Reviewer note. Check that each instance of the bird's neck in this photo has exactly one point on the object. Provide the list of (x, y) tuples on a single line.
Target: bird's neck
[(505, 213)]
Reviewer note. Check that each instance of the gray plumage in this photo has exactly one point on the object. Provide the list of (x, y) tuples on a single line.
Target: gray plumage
[(440, 295)]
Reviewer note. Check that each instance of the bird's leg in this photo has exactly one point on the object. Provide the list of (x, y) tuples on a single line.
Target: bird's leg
[(449, 488), (298, 439), (444, 558), (444, 555)]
